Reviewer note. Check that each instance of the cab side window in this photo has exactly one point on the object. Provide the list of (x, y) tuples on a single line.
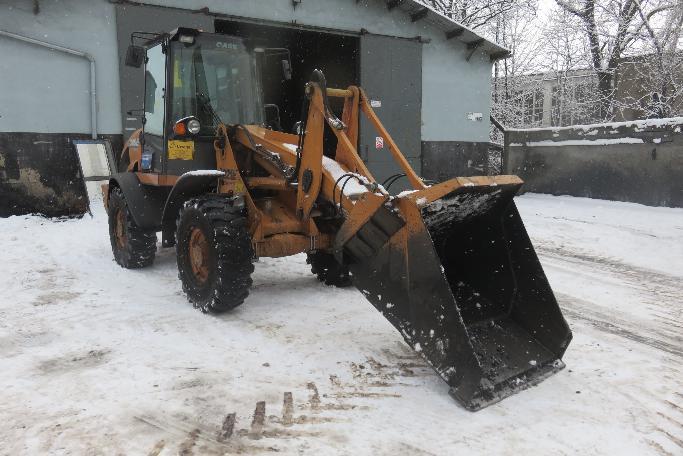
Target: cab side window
[(155, 90)]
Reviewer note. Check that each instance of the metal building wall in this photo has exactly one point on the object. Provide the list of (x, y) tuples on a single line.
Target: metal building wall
[(45, 101), (451, 85), (44, 95), (47, 91)]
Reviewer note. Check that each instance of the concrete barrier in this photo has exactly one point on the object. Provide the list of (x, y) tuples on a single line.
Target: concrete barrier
[(640, 161)]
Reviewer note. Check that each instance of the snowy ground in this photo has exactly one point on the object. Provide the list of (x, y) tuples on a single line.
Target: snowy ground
[(95, 359)]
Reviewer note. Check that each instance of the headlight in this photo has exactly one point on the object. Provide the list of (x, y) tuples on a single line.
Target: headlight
[(193, 126)]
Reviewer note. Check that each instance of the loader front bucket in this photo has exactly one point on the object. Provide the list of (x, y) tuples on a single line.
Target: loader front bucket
[(453, 269)]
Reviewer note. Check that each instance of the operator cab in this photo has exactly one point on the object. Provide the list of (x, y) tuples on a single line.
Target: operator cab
[(193, 82)]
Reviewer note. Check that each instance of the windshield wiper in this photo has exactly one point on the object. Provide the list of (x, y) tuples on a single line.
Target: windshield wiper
[(205, 104), (201, 88)]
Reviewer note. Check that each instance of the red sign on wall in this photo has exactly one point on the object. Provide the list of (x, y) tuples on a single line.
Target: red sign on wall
[(379, 142)]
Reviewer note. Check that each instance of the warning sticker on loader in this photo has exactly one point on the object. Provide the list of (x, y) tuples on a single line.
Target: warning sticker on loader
[(180, 150)]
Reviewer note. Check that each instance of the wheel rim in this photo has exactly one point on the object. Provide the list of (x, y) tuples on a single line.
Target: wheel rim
[(199, 255), (120, 230)]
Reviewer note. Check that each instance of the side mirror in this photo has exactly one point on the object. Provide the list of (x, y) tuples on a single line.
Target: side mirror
[(135, 56), (286, 69)]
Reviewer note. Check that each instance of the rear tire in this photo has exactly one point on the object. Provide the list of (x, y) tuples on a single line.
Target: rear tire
[(328, 269), (133, 247), (214, 253)]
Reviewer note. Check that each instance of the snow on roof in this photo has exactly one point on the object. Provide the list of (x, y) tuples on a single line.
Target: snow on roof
[(451, 27)]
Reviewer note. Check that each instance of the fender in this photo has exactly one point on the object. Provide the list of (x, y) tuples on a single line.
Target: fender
[(124, 160), (145, 201), (193, 183), (133, 151)]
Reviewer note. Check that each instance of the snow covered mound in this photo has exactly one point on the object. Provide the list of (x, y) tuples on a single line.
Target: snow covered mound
[(95, 359)]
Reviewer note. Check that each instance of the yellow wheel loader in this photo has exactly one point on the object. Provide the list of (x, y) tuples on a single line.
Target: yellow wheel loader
[(450, 265)]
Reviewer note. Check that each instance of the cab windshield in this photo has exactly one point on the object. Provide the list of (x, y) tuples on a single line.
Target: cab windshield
[(215, 81)]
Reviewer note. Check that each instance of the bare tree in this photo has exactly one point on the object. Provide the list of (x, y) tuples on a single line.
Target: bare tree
[(611, 27), (478, 13), (662, 66), (509, 23), (517, 89), (587, 61)]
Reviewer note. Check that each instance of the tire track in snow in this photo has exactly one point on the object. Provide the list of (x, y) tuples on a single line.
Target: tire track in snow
[(662, 331), (663, 285), (641, 332), (663, 409), (259, 432), (663, 292), (668, 424)]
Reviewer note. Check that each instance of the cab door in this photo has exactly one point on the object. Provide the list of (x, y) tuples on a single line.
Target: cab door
[(154, 128)]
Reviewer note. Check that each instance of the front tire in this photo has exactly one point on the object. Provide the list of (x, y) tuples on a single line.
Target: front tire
[(214, 253), (133, 247), (328, 270)]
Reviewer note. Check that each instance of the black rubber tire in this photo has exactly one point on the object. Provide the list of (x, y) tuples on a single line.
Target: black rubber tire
[(230, 253), (328, 269), (138, 248)]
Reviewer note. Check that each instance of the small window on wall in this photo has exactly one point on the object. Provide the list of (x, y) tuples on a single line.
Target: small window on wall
[(155, 89)]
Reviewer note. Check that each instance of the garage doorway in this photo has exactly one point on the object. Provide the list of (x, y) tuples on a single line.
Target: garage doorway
[(337, 55), (388, 68)]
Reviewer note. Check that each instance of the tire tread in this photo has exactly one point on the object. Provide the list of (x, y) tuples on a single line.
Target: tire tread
[(141, 245), (233, 250)]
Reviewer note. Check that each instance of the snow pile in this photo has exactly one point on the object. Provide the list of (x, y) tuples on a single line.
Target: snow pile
[(611, 133), (638, 124), (405, 193), (580, 142), (352, 185), (204, 172)]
